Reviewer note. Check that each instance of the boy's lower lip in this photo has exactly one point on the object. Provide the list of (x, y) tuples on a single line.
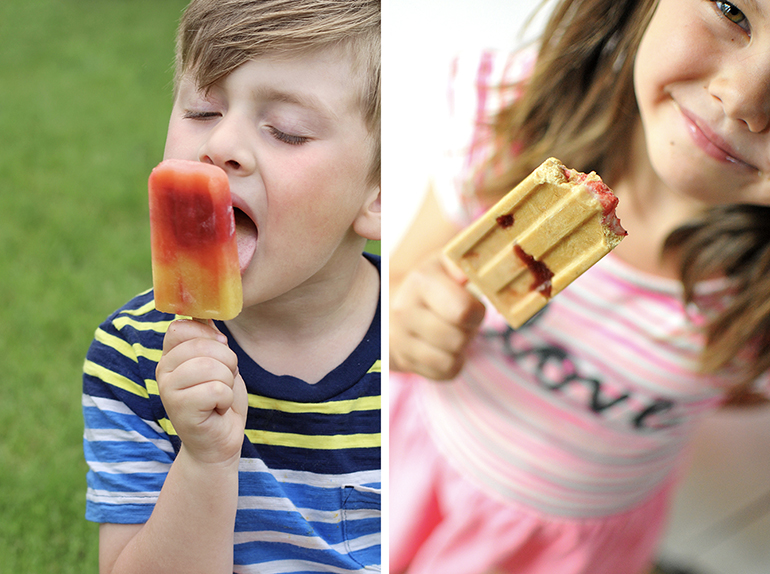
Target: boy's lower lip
[(708, 146)]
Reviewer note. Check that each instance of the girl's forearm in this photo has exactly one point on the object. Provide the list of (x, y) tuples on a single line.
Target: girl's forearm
[(191, 528)]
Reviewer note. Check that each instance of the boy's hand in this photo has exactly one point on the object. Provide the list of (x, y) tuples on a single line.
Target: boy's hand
[(203, 394), (432, 320)]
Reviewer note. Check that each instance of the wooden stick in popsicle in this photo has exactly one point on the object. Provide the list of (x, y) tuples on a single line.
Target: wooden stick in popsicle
[(195, 266)]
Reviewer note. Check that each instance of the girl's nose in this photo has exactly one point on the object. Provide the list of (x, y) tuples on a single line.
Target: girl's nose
[(229, 145), (743, 89)]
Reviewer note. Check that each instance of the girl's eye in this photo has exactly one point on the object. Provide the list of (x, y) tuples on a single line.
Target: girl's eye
[(732, 13), (288, 138)]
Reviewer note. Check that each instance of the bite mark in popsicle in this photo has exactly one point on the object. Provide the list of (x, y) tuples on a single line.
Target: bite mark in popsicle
[(195, 264), (537, 239)]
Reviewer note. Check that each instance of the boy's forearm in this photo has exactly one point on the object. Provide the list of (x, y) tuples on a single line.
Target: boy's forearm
[(191, 528)]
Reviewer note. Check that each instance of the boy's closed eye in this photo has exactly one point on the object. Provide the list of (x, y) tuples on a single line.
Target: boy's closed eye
[(287, 138), (280, 135), (200, 115)]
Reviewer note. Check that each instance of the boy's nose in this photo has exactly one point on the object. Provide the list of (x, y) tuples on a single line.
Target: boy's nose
[(744, 92), (229, 146)]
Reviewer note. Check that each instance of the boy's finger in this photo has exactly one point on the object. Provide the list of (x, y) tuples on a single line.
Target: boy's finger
[(194, 348), (184, 329), (201, 371)]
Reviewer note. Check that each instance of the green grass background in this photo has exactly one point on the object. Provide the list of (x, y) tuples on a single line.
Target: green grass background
[(85, 91)]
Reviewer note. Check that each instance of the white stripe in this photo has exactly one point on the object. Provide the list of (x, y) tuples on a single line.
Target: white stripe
[(282, 566), (119, 407), (120, 435), (130, 467), (362, 542), (309, 542), (311, 478), (308, 514), (117, 497)]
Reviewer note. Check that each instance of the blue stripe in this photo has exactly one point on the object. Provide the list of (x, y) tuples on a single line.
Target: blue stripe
[(124, 451), (320, 462), (118, 514), (264, 552), (96, 418), (125, 483)]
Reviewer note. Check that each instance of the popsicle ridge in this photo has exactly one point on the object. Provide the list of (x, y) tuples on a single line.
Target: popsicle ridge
[(537, 239)]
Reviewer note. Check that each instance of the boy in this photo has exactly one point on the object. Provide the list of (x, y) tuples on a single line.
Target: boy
[(253, 445)]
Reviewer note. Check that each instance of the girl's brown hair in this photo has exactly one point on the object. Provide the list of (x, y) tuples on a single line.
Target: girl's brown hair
[(217, 36), (579, 105)]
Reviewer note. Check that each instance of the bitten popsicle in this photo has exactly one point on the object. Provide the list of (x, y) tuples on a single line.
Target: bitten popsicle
[(539, 238), (195, 266)]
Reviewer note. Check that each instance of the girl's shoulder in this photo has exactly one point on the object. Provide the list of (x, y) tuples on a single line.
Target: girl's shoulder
[(489, 79), (480, 84)]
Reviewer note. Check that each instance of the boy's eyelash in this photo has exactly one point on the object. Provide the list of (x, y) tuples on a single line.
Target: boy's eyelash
[(288, 138), (195, 115), (276, 133)]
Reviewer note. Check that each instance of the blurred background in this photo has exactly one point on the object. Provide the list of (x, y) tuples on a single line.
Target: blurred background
[(85, 92), (721, 518)]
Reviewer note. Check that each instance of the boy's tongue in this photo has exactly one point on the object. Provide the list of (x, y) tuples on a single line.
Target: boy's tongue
[(246, 235)]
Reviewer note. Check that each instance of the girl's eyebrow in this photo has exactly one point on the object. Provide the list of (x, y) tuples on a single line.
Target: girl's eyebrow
[(752, 5), (305, 100)]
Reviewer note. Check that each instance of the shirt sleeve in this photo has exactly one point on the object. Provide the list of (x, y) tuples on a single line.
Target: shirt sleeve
[(125, 445)]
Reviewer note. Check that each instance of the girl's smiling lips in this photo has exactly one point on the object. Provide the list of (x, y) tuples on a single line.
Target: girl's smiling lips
[(710, 142)]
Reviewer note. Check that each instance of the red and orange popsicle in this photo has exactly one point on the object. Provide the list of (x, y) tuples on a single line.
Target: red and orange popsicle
[(195, 264)]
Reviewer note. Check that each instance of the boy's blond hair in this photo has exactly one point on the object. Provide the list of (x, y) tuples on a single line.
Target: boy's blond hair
[(217, 36)]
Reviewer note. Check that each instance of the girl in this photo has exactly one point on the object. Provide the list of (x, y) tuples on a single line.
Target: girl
[(554, 448)]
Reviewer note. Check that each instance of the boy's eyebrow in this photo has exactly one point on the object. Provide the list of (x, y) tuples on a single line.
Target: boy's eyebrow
[(300, 99)]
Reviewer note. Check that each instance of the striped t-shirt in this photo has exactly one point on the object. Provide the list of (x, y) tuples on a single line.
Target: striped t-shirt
[(585, 410), (309, 478)]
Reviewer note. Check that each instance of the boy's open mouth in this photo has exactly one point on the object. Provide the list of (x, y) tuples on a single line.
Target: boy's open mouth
[(246, 235)]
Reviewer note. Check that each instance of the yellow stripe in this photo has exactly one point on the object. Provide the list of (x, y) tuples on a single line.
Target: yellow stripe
[(166, 425), (120, 345), (114, 379), (126, 349), (335, 442), (146, 308), (376, 367), (330, 408), (159, 326), (152, 386), (323, 442)]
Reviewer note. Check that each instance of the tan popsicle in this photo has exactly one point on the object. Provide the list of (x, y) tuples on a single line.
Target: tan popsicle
[(537, 239)]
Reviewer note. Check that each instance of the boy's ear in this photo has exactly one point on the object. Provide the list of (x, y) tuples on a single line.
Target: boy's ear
[(369, 220)]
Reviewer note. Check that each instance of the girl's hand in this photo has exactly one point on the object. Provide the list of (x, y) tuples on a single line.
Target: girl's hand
[(203, 394), (432, 320)]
